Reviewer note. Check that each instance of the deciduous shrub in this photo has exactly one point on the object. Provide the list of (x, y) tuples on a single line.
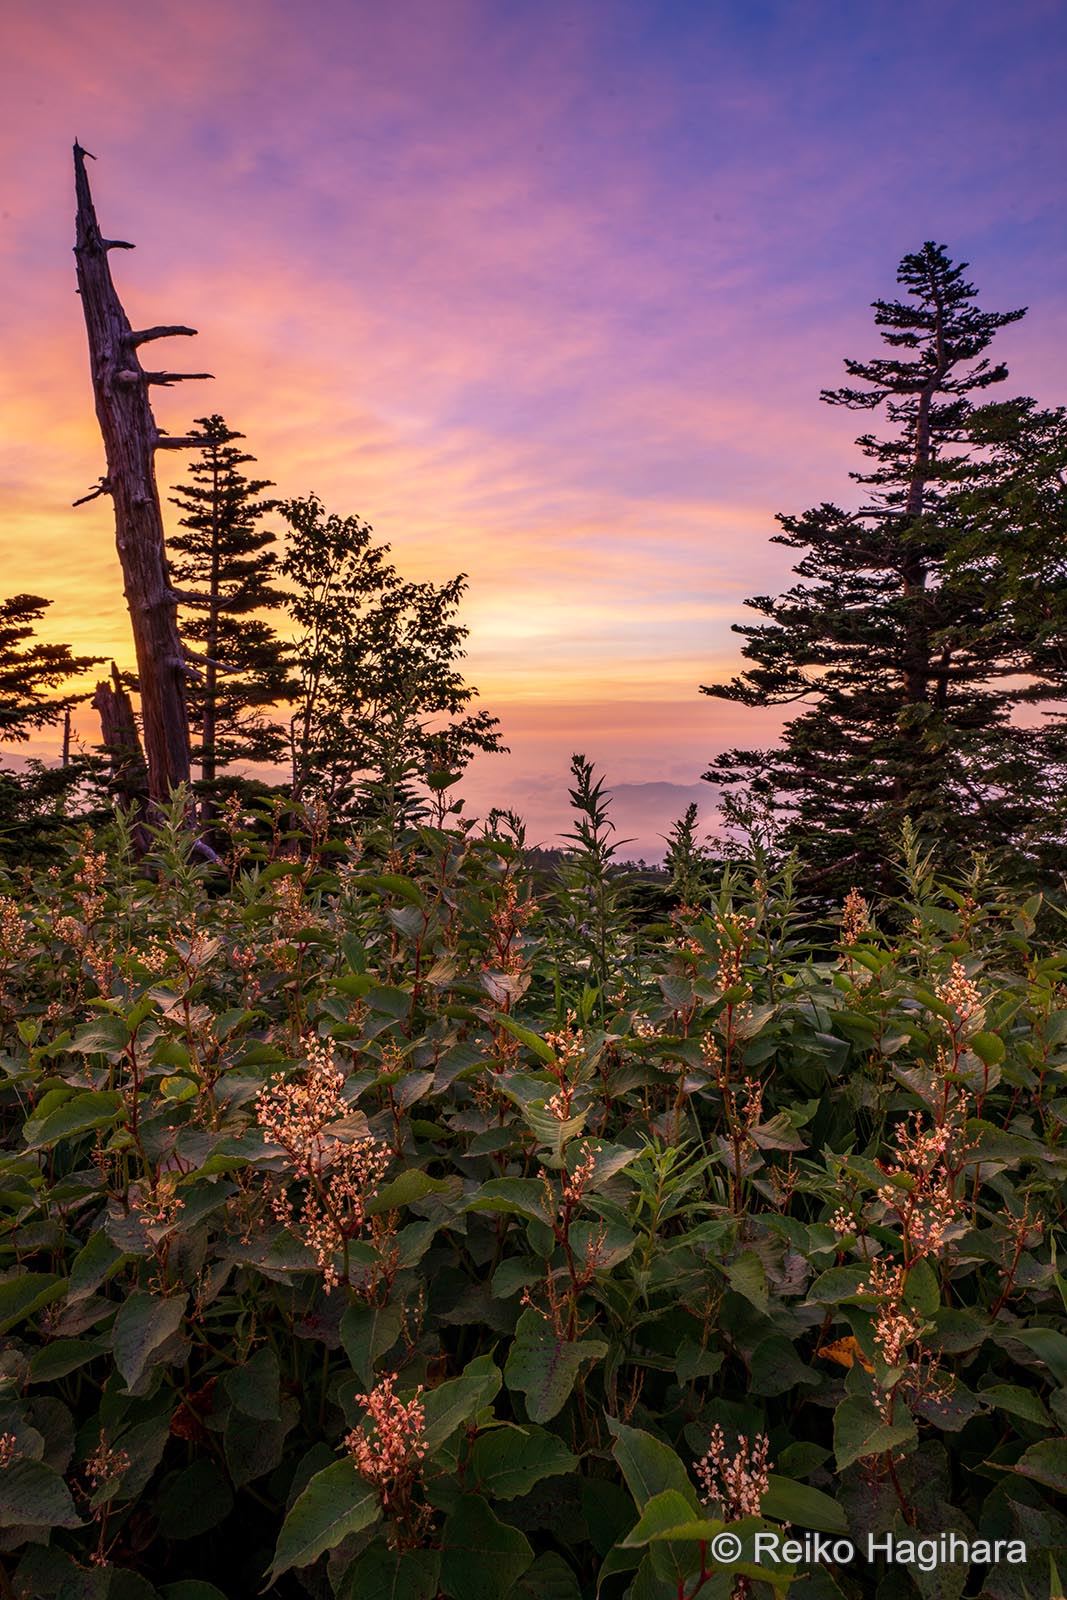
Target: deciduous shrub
[(372, 1228)]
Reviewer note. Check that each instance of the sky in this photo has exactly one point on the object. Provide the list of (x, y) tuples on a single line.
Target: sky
[(546, 290)]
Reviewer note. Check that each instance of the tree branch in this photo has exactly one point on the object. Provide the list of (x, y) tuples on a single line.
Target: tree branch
[(103, 487), (166, 378), (162, 331)]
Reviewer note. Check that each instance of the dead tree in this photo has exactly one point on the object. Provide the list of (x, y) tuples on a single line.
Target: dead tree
[(131, 438), (128, 781)]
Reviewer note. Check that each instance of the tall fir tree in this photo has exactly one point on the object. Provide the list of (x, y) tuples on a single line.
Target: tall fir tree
[(29, 669), (908, 663), (33, 801), (226, 568)]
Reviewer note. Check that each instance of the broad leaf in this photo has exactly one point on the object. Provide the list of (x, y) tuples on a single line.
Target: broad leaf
[(335, 1503)]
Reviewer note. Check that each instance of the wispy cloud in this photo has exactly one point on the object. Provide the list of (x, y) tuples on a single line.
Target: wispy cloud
[(546, 293)]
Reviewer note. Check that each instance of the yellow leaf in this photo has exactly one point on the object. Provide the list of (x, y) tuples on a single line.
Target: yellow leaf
[(846, 1352)]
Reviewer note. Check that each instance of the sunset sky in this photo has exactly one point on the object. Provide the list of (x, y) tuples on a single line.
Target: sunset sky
[(544, 291)]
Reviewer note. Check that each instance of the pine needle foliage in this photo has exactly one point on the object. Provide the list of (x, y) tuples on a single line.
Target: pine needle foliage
[(225, 559), (906, 666)]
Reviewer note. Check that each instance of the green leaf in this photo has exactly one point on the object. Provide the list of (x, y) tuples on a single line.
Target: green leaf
[(859, 1431), (789, 1501), (93, 1109), (61, 1356), (922, 1291), (106, 1035), (144, 1443), (608, 1160), (26, 1293), (767, 1570), (988, 1047), (1045, 1462), (747, 1276), (254, 1447), (191, 1589), (393, 883), (194, 1501), (32, 1495), (368, 1332), (550, 1578), (549, 1131), (1048, 1345), (97, 1261), (668, 1509), (837, 1284), (144, 1322), (544, 1368), (483, 1558), (335, 1503), (384, 1574), (254, 1386), (395, 1003), (521, 1197), (508, 1461), (533, 1041), (458, 1400), (649, 1466), (1017, 1402), (402, 1191)]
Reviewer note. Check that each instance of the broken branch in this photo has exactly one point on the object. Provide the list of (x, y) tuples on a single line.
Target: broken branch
[(163, 331), (103, 487)]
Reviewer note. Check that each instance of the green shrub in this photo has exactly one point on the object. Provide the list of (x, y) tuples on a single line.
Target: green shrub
[(373, 1229)]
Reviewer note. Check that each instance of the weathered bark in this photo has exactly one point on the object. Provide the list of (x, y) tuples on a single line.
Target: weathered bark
[(120, 389), (119, 736)]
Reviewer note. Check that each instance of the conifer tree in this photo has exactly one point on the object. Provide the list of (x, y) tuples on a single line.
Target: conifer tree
[(907, 666), (33, 801), (29, 668), (226, 569)]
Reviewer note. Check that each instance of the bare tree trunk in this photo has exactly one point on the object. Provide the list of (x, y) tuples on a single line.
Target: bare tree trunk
[(120, 388), (119, 736)]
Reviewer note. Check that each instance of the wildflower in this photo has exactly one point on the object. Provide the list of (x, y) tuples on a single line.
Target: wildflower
[(752, 1109), (894, 1330), (961, 994), (342, 1178), (69, 931), (389, 1448), (855, 917), (710, 1053), (105, 1463), (567, 1044), (926, 1206), (9, 1450), (733, 935), (13, 935), (575, 1186), (508, 918), (737, 1482), (160, 1208), (295, 1114), (156, 958), (559, 1106)]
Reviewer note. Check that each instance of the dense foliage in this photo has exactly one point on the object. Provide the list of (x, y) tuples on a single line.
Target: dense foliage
[(380, 703), (373, 1228)]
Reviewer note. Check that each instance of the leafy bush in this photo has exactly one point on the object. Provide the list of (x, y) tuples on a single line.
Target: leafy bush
[(373, 1229)]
